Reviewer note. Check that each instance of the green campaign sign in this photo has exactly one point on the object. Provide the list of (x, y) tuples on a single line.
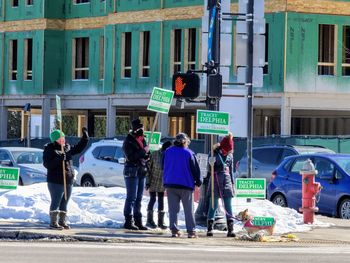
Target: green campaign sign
[(212, 122), (161, 100), (263, 221), (250, 187), (155, 142), (58, 108), (9, 178)]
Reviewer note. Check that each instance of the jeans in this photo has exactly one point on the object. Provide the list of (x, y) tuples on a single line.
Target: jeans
[(227, 204), (58, 202), (175, 196), (152, 200), (134, 191)]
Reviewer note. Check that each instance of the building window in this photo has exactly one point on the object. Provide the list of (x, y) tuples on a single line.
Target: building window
[(30, 2), (13, 48), (190, 59), (326, 50), (28, 59), (176, 36), (144, 53), (102, 58), (346, 51), (266, 66), (126, 55), (80, 58), (14, 3), (81, 1)]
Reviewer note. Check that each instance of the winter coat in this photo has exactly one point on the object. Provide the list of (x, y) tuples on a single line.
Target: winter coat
[(181, 169), (136, 157), (52, 158), (223, 175), (155, 176)]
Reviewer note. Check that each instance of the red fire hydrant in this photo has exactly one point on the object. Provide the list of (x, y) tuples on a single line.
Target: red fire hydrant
[(309, 191)]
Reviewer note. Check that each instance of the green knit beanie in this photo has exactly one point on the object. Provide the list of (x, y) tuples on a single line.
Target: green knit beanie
[(55, 135)]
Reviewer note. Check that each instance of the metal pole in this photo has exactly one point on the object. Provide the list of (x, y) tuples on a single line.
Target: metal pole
[(28, 129)]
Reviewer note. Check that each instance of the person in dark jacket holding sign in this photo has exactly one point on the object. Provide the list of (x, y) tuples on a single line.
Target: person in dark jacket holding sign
[(53, 159), (135, 170), (223, 183), (181, 175)]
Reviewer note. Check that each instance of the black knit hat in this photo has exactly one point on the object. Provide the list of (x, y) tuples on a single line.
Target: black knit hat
[(136, 124)]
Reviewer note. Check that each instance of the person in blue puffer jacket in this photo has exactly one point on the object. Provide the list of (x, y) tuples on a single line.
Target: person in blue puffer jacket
[(181, 175)]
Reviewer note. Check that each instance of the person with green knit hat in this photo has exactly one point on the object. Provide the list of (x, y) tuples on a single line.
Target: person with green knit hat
[(54, 158)]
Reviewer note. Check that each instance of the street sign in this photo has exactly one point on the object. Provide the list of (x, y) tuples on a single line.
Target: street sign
[(155, 142), (258, 76), (161, 100), (58, 108), (212, 122), (258, 52), (9, 178), (250, 187), (202, 159), (259, 7)]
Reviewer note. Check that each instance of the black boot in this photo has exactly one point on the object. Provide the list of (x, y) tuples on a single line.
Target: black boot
[(161, 220), (138, 223), (62, 219), (210, 226), (230, 228), (53, 220), (150, 222), (129, 223)]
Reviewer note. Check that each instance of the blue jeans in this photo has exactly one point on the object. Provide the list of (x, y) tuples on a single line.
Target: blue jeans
[(58, 201), (227, 204), (134, 192)]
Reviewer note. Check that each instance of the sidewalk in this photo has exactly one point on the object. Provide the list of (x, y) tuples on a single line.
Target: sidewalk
[(338, 233)]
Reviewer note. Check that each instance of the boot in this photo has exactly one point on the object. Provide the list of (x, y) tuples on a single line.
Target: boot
[(62, 219), (138, 223), (210, 226), (161, 220), (150, 223), (230, 228), (53, 220), (129, 223)]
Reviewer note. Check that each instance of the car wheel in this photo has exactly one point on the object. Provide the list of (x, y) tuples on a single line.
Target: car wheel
[(280, 200), (87, 181), (344, 209)]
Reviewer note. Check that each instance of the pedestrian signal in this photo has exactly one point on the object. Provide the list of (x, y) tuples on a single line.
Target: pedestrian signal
[(186, 85)]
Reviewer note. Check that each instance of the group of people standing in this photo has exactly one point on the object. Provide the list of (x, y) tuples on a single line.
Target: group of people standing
[(173, 168)]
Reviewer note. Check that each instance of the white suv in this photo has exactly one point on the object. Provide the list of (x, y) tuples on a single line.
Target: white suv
[(102, 164)]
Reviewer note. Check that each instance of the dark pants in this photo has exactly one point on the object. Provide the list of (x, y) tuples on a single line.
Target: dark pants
[(227, 205), (152, 200), (134, 191), (58, 201)]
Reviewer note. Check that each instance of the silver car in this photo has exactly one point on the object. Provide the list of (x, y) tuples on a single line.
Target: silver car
[(102, 165), (29, 160), (267, 158)]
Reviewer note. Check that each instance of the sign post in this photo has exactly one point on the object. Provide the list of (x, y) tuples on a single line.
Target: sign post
[(59, 119), (9, 178), (212, 122)]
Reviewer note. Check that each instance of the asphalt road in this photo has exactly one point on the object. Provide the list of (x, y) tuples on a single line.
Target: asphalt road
[(37, 252)]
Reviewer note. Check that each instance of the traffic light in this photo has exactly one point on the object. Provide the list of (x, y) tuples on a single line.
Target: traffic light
[(186, 85), (214, 86)]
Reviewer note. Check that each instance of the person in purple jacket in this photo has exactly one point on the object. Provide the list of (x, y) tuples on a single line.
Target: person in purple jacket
[(181, 175)]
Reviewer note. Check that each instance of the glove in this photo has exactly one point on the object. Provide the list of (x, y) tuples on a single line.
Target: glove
[(62, 156), (198, 184), (147, 186), (85, 133)]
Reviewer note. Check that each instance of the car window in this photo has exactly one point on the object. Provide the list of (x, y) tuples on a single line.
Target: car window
[(286, 153), (323, 167), (268, 155), (119, 153), (28, 157), (96, 152), (298, 165), (4, 156), (107, 153)]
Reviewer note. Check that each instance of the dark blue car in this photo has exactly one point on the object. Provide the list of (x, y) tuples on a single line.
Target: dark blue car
[(333, 173)]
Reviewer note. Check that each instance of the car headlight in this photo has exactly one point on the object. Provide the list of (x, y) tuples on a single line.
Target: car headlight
[(35, 175)]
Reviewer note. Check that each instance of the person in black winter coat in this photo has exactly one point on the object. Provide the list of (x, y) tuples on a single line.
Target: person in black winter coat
[(135, 170), (53, 158)]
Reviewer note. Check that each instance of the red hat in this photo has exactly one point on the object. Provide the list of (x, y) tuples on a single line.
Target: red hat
[(226, 144)]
